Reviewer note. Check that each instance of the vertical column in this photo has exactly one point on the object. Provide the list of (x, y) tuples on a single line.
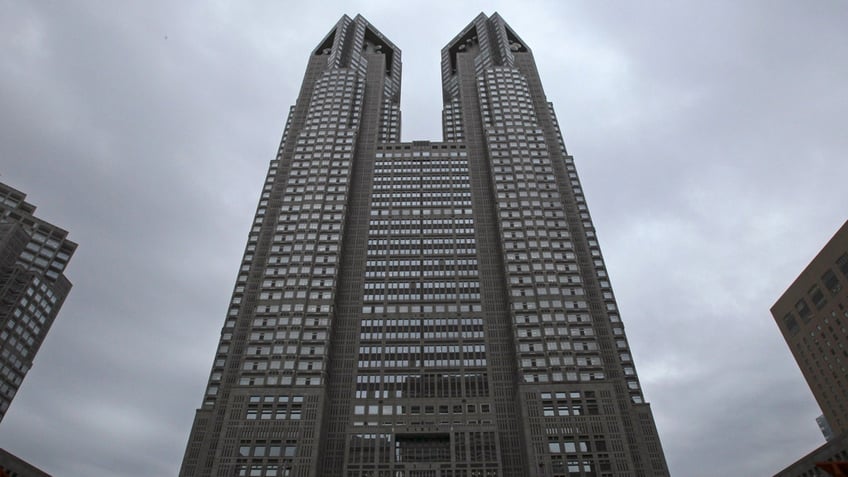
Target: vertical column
[(492, 279), (348, 307)]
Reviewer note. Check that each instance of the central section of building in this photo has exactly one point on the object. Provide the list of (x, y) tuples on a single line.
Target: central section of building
[(423, 309)]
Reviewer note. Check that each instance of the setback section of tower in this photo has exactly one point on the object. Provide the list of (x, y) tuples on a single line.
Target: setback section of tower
[(266, 403), (581, 403)]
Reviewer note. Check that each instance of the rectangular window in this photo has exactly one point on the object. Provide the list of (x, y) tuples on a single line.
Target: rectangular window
[(803, 310), (817, 296), (831, 282), (842, 262)]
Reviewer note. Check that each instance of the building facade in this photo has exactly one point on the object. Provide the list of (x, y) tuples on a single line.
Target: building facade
[(812, 315), (13, 466), (423, 309), (33, 257)]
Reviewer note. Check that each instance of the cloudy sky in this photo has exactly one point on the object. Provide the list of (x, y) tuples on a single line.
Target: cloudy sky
[(710, 139)]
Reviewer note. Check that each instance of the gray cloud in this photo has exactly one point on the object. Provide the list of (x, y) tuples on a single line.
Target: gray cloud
[(708, 137)]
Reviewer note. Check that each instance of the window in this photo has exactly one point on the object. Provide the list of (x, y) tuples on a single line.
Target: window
[(831, 282), (842, 262), (803, 309), (790, 323), (817, 296)]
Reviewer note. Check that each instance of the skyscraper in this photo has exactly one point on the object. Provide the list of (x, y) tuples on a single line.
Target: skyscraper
[(423, 309), (33, 257)]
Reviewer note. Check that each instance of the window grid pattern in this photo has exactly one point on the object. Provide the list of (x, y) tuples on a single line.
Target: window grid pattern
[(33, 258), (288, 338), (420, 297), (814, 322), (422, 350), (556, 338), (25, 324), (452, 121), (276, 333), (47, 251), (556, 335)]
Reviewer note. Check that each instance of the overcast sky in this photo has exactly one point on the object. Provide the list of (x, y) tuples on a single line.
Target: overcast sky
[(711, 141)]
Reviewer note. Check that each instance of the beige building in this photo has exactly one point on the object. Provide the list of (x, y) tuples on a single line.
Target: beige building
[(813, 316)]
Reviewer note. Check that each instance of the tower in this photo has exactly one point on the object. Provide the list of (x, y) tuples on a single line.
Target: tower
[(423, 309), (33, 257)]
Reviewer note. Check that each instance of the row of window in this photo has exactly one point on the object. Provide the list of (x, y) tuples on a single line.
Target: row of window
[(556, 376), (409, 156), (423, 285), (817, 297), (273, 450), (407, 212), (423, 251), (424, 325), (302, 379), (294, 320), (427, 224), (302, 271), (452, 272), (433, 205), (422, 263), (420, 231), (405, 242), (551, 344), (434, 308), (440, 193)]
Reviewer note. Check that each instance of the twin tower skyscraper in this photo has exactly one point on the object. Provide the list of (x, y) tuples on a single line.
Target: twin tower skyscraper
[(423, 309)]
